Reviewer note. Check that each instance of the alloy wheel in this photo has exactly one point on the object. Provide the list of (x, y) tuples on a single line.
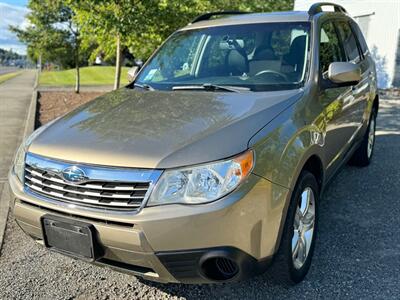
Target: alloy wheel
[(304, 221)]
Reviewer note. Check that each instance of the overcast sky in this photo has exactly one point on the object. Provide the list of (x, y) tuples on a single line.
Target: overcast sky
[(12, 12)]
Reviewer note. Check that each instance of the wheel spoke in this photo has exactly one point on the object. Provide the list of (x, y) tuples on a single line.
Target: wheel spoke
[(308, 218), (308, 235), (302, 251), (305, 196), (308, 222), (295, 244)]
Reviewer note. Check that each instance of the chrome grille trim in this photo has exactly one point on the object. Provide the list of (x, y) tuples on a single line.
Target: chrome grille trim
[(83, 200), (107, 188), (87, 192), (87, 185)]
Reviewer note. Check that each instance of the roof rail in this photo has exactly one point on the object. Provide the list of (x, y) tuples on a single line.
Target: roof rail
[(317, 8), (208, 16)]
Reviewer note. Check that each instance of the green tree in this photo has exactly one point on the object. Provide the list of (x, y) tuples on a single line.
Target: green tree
[(61, 28), (141, 26), (111, 22), (53, 34), (251, 6)]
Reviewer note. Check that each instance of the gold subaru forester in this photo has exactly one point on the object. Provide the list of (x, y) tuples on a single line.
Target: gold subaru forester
[(209, 166)]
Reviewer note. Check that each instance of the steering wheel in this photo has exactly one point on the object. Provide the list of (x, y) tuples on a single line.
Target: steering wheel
[(273, 73)]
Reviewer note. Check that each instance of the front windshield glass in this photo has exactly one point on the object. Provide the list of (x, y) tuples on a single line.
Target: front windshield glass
[(260, 57)]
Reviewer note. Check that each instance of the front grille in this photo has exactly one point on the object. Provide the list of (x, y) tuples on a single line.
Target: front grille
[(111, 193), (121, 194)]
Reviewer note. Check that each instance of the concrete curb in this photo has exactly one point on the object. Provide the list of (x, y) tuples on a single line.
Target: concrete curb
[(5, 194)]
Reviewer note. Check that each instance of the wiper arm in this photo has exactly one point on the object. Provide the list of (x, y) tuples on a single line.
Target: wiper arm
[(144, 86), (236, 89), (211, 87)]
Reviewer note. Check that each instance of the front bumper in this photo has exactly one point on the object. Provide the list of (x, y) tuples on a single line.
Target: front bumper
[(170, 243)]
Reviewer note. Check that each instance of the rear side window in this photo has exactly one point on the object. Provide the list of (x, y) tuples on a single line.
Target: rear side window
[(330, 49), (349, 41), (360, 36)]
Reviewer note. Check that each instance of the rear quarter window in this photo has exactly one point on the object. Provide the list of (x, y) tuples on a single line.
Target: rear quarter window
[(349, 41), (330, 49), (360, 37)]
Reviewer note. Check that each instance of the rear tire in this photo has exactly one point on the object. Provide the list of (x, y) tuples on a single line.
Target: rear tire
[(293, 259), (363, 155)]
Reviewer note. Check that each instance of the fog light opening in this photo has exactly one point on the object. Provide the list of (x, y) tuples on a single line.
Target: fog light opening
[(220, 268)]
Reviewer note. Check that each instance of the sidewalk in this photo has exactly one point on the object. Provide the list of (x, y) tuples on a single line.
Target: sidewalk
[(15, 97)]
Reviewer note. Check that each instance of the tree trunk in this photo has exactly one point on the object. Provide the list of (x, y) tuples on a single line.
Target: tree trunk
[(118, 64), (77, 73), (77, 79), (40, 62)]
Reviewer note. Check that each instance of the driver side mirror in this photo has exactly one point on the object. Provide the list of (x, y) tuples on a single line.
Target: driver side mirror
[(344, 73), (132, 72)]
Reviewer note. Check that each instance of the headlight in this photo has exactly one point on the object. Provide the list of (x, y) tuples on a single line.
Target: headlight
[(19, 161), (203, 183)]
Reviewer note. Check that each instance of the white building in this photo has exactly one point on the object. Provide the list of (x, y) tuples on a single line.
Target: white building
[(379, 20)]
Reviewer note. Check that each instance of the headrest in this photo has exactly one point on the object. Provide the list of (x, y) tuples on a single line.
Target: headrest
[(231, 44), (297, 49), (238, 64)]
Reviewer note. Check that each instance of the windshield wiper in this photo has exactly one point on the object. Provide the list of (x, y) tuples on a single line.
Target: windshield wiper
[(211, 87), (144, 86)]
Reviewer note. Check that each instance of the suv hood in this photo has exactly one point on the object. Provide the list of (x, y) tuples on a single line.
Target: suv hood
[(143, 129)]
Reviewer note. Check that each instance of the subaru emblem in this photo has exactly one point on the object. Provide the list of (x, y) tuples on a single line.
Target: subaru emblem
[(73, 174)]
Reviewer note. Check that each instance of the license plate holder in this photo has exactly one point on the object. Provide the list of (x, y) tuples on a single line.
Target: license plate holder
[(70, 237)]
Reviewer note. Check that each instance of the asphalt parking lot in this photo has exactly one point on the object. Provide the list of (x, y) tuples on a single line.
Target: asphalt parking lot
[(357, 254)]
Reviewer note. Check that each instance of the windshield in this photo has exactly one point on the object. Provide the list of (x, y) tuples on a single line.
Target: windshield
[(260, 57)]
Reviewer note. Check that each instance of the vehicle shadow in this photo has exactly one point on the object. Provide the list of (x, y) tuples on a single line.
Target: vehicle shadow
[(358, 247)]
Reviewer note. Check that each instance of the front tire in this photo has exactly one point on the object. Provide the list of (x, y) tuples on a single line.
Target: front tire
[(293, 259)]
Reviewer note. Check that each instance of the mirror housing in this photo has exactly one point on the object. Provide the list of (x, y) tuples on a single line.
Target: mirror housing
[(344, 73), (132, 72)]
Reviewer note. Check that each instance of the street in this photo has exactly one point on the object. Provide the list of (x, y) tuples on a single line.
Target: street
[(357, 254)]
